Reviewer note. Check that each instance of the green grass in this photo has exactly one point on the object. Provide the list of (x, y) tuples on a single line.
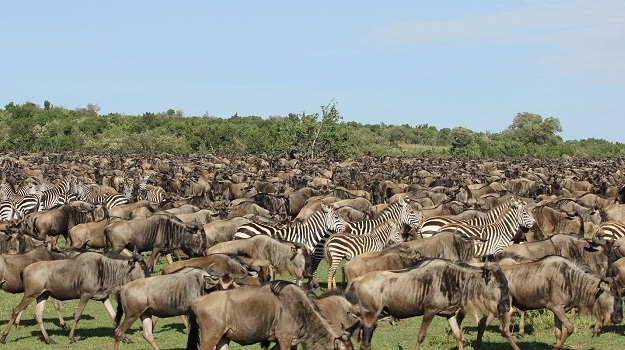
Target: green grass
[(95, 331)]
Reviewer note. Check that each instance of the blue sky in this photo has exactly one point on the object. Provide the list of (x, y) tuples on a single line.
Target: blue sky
[(474, 64)]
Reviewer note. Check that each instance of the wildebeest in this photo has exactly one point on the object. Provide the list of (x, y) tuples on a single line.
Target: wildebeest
[(559, 284), (162, 296), (222, 230), (286, 257), (597, 254), (123, 211), (445, 244), (89, 234), (157, 233), (56, 221), (11, 267), (552, 220), (284, 314), (433, 287), (85, 276)]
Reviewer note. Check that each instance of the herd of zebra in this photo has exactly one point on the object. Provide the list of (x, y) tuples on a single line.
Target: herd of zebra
[(396, 212)]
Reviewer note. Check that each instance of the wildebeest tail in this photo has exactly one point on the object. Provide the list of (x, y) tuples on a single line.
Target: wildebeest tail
[(194, 336), (120, 309)]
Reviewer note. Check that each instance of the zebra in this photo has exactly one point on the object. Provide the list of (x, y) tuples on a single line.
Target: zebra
[(499, 234), (17, 204), (61, 193), (108, 201), (612, 230), (346, 245), (323, 222), (434, 224), (312, 232), (400, 210), (154, 194)]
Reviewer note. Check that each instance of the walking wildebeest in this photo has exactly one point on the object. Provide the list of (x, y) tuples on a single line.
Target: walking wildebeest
[(558, 284), (283, 314), (85, 276), (433, 287), (11, 267), (55, 222), (163, 296), (157, 233), (445, 244)]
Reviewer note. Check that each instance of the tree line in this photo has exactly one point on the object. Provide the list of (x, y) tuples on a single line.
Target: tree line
[(31, 128)]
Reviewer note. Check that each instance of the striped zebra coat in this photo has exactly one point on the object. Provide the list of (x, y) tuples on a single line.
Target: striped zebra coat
[(108, 201), (400, 210), (612, 230), (323, 222), (499, 234), (435, 223), (341, 246)]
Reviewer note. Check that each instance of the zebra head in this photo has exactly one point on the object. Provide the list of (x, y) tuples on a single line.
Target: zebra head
[(395, 232), (523, 217), (331, 220), (407, 215)]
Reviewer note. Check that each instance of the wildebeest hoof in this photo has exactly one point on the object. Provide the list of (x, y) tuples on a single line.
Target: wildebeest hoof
[(3, 340), (72, 341), (126, 340), (50, 341)]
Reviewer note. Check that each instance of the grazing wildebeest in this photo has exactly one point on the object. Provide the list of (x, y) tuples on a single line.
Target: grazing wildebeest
[(430, 288), (164, 296), (157, 233), (559, 284), (284, 314), (445, 244), (286, 257), (85, 276)]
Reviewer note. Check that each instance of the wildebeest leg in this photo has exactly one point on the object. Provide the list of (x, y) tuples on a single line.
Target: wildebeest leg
[(423, 329), (146, 320), (109, 308), (153, 259), (41, 305), (16, 312), (504, 328), (369, 323), (521, 322), (57, 309), (455, 330), (223, 344), (169, 259), (120, 331), (560, 319), (81, 307)]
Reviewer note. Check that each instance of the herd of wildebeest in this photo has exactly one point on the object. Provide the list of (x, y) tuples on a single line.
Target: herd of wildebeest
[(244, 236)]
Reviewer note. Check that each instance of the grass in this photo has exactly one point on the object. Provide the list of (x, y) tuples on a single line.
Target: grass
[(95, 331)]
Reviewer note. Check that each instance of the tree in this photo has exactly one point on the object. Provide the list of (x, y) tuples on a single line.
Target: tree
[(531, 128)]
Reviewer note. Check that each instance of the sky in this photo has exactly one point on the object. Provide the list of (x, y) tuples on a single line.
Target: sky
[(473, 64)]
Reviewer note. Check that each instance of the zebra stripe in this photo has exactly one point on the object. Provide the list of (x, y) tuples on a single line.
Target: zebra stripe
[(60, 194), (435, 223), (8, 211), (610, 230), (107, 200), (308, 232), (499, 234), (345, 245), (154, 194), (400, 211)]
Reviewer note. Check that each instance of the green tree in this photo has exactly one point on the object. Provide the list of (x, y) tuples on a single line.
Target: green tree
[(531, 128)]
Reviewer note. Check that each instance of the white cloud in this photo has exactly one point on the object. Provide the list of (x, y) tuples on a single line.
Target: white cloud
[(588, 36)]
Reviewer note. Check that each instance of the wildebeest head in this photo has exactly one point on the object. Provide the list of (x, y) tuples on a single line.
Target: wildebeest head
[(194, 243), (301, 260), (608, 306), (139, 268), (501, 283)]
